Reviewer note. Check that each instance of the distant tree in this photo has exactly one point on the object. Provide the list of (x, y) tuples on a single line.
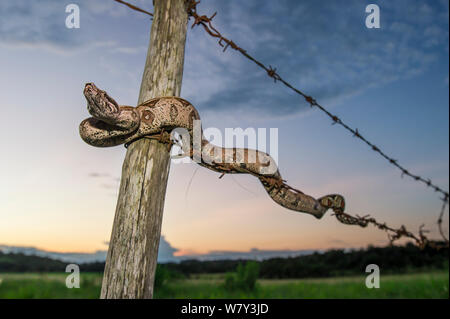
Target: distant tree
[(163, 275), (244, 278)]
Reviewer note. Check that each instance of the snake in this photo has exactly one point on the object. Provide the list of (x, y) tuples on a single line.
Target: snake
[(112, 124)]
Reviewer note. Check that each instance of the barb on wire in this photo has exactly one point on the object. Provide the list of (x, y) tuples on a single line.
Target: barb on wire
[(129, 5)]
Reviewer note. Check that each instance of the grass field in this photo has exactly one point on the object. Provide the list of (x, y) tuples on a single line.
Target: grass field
[(52, 285)]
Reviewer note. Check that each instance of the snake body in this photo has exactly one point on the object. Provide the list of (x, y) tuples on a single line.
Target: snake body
[(112, 124)]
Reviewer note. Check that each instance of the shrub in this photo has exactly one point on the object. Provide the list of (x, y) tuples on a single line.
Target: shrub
[(164, 275), (161, 276), (244, 278)]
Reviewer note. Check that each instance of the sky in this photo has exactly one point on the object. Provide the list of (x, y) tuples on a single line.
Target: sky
[(59, 194)]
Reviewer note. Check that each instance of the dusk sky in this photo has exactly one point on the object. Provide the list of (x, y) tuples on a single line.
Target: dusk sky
[(58, 193)]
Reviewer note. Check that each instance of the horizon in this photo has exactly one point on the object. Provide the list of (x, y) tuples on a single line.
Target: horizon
[(168, 254)]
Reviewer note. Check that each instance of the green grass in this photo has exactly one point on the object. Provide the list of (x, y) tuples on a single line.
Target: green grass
[(48, 286), (423, 285), (428, 285)]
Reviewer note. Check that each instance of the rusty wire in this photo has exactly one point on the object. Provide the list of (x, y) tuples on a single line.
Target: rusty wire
[(393, 234)]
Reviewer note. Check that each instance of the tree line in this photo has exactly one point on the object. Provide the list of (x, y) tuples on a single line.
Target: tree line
[(336, 262)]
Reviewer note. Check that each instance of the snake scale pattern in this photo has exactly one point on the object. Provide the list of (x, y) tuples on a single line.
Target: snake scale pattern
[(112, 124)]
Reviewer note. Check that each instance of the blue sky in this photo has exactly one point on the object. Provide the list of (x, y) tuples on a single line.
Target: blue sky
[(391, 83)]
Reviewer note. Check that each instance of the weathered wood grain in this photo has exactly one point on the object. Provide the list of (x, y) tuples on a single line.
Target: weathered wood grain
[(133, 249)]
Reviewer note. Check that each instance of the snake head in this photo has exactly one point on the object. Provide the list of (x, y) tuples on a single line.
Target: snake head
[(100, 105)]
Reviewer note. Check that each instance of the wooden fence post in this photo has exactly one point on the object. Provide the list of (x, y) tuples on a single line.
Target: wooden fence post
[(133, 248)]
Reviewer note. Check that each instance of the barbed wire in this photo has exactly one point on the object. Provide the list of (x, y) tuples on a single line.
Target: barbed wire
[(393, 233)]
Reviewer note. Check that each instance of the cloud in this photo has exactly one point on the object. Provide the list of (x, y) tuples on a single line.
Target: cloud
[(34, 23), (252, 254), (98, 256), (165, 253), (322, 48), (41, 24)]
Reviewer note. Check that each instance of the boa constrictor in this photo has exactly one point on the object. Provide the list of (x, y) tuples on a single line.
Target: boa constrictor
[(113, 124)]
